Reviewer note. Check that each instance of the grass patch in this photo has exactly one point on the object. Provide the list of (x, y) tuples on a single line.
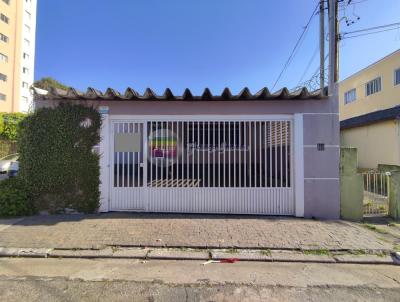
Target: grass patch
[(232, 250), (381, 254), (358, 252), (317, 252), (374, 228), (384, 239), (396, 247), (265, 252)]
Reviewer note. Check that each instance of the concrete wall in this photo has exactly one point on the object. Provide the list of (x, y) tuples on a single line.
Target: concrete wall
[(378, 143), (320, 124), (388, 97)]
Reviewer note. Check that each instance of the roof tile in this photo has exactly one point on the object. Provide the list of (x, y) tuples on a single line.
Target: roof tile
[(149, 95)]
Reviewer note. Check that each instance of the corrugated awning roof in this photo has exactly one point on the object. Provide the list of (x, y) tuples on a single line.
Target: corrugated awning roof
[(132, 95), (370, 118)]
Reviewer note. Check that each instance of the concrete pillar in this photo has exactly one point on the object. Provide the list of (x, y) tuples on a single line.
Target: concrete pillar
[(394, 195), (351, 186)]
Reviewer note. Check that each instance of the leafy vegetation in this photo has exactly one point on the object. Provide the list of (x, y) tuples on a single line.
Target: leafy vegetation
[(9, 123), (48, 82), (14, 199), (57, 165), (317, 252), (232, 250), (266, 252)]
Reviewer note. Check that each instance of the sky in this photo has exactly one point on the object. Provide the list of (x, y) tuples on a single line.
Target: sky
[(197, 43)]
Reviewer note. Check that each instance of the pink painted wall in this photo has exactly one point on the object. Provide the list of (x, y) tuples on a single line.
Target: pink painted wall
[(321, 125)]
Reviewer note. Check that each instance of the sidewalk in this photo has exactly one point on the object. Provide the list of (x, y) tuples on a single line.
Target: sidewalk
[(196, 231)]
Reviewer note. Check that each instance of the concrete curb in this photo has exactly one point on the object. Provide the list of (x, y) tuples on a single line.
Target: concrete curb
[(204, 255)]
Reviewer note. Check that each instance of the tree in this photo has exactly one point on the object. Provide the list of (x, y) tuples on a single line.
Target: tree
[(48, 82)]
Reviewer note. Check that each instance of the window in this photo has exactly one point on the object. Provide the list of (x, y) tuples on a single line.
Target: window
[(4, 18), (25, 70), (6, 1), (397, 77), (25, 56), (3, 77), (373, 86), (3, 58), (2, 97), (350, 96), (25, 85), (4, 38)]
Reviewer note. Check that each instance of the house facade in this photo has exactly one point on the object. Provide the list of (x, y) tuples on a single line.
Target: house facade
[(262, 153), (368, 103)]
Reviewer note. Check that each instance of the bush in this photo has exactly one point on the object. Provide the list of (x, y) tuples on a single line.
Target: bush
[(9, 123), (57, 164), (14, 199)]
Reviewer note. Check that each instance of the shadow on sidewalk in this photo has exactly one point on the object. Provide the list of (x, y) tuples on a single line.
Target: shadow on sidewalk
[(57, 218)]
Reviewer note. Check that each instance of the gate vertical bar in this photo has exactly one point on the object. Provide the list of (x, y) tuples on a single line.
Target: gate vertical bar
[(246, 153), (145, 142), (265, 153), (234, 154), (260, 152)]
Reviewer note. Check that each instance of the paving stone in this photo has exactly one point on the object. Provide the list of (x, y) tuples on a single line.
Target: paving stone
[(175, 230), (139, 253), (82, 253), (177, 254), (257, 255), (364, 259), (295, 256), (24, 252)]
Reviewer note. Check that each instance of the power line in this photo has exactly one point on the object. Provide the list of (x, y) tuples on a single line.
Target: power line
[(371, 28), (299, 41), (309, 64), (367, 34), (370, 31)]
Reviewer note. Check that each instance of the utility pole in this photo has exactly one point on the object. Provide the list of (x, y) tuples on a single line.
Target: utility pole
[(333, 45), (322, 45), (337, 38)]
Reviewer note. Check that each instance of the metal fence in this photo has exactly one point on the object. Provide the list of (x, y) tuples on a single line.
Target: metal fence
[(229, 166), (7, 147), (376, 193)]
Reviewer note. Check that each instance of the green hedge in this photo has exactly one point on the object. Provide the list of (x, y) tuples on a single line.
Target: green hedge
[(14, 199), (57, 164)]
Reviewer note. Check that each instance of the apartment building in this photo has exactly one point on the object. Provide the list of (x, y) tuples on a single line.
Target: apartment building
[(370, 112), (17, 54)]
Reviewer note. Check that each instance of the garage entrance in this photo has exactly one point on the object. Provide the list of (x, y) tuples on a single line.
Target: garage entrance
[(191, 165)]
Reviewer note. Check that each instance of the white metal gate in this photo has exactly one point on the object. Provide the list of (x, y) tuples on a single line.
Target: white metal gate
[(202, 166)]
